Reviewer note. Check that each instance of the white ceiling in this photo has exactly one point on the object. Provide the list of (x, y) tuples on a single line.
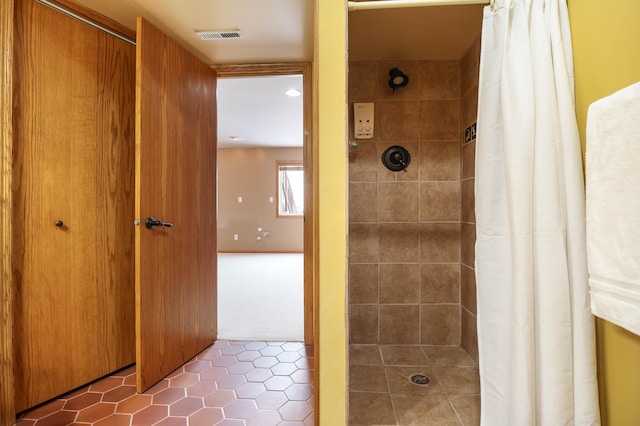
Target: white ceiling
[(273, 30), (282, 31), (257, 110)]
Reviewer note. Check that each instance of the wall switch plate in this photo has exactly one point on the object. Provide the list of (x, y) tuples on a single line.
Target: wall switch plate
[(363, 120), (239, 200), (235, 237)]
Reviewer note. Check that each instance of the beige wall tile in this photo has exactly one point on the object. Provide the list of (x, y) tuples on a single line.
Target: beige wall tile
[(411, 173), (469, 106), (363, 323), (468, 201), (363, 283), (439, 120), (468, 288), (439, 201), (399, 242), (440, 324), (399, 283), (440, 283), (363, 162), (469, 66), (363, 81), (398, 324), (439, 242), (439, 80), (363, 202), (440, 160), (400, 250), (469, 160), (363, 243), (398, 201), (467, 244), (469, 337), (397, 120)]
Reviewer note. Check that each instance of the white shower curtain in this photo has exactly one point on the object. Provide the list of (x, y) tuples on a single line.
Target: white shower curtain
[(535, 329)]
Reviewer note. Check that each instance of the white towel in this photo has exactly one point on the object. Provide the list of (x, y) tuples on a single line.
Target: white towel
[(613, 207)]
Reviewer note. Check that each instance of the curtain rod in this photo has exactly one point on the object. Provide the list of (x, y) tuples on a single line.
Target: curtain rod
[(86, 21), (392, 4)]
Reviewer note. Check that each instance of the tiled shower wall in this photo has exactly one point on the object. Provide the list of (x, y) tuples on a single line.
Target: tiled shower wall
[(410, 233), (469, 65), (404, 227)]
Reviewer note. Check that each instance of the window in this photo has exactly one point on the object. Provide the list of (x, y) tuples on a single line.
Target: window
[(290, 188)]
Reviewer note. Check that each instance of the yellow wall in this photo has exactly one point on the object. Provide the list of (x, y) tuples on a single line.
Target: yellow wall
[(606, 38), (330, 104)]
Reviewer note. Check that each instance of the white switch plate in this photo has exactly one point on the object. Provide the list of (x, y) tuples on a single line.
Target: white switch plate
[(271, 200), (235, 237), (363, 120), (239, 199)]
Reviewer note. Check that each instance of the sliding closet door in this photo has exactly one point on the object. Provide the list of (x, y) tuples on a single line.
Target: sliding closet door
[(73, 204), (176, 184)]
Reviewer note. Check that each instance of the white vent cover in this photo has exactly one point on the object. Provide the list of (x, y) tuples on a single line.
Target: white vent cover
[(218, 35)]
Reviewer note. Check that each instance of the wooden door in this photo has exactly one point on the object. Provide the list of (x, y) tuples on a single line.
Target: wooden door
[(73, 204), (176, 270)]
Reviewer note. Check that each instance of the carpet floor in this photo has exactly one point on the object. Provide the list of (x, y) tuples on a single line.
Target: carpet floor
[(261, 296)]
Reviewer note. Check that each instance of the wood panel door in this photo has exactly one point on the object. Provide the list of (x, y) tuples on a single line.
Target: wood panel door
[(73, 204), (176, 269)]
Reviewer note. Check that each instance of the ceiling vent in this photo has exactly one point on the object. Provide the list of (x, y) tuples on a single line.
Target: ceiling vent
[(218, 35)]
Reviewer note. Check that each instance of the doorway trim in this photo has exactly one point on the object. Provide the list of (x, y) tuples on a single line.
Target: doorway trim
[(7, 408), (310, 173)]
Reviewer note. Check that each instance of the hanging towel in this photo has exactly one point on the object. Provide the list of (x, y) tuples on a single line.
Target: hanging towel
[(613, 207)]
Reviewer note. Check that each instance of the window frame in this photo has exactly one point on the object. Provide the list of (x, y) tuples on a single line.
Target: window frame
[(295, 163)]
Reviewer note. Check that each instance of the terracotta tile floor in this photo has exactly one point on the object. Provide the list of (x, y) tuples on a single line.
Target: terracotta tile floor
[(230, 383), (381, 392)]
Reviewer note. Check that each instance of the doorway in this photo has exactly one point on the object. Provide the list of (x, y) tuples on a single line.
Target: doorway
[(264, 244)]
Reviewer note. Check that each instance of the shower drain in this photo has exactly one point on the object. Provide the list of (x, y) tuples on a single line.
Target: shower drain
[(420, 379)]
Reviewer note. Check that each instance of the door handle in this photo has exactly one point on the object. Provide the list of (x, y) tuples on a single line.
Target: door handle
[(151, 223)]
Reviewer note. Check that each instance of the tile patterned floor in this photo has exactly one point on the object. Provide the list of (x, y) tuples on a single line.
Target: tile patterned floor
[(229, 384), (381, 392)]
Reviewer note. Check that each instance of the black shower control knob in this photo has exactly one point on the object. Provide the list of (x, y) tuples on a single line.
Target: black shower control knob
[(396, 158)]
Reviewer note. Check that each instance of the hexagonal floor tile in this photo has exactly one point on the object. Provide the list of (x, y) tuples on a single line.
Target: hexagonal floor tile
[(278, 383), (240, 409), (250, 390)]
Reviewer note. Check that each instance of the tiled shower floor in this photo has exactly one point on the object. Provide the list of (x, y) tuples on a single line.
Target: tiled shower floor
[(381, 393), (229, 384)]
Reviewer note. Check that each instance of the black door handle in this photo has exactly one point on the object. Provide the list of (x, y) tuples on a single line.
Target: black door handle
[(151, 223)]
